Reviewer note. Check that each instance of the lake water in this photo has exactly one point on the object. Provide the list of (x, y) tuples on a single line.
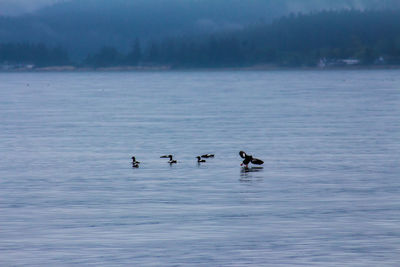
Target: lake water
[(328, 193)]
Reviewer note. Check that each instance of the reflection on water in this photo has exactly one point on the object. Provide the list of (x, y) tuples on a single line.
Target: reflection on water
[(251, 169), (251, 174)]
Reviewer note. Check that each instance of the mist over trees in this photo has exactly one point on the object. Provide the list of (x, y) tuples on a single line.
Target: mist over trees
[(295, 40), (302, 39), (18, 7), (84, 26)]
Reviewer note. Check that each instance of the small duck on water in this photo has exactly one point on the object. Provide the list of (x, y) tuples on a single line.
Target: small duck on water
[(171, 160), (199, 160), (135, 164), (207, 156)]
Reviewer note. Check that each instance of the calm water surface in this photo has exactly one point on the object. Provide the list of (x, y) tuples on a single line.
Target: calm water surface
[(328, 193)]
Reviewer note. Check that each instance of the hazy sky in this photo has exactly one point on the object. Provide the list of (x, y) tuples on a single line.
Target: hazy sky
[(15, 7)]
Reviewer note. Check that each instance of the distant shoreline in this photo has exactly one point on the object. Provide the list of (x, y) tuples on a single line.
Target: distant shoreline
[(168, 68)]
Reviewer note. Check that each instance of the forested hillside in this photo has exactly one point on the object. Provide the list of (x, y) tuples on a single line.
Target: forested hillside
[(302, 40), (365, 37), (83, 26)]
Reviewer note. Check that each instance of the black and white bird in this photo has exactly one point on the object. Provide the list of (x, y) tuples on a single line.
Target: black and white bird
[(207, 156), (135, 164), (171, 160), (248, 159), (199, 160)]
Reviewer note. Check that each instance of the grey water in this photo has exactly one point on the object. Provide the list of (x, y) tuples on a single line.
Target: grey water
[(328, 193)]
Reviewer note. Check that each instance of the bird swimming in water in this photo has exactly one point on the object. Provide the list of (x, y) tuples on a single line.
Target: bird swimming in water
[(199, 160), (207, 156), (171, 160), (248, 159), (135, 164)]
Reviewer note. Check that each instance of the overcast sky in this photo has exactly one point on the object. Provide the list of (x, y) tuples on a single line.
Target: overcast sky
[(16, 7)]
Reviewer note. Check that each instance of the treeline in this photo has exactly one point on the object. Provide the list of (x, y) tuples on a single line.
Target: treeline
[(83, 26), (36, 54), (370, 37), (296, 40)]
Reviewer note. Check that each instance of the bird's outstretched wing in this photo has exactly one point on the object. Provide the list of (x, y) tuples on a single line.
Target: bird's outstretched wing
[(164, 157), (242, 154), (257, 161)]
